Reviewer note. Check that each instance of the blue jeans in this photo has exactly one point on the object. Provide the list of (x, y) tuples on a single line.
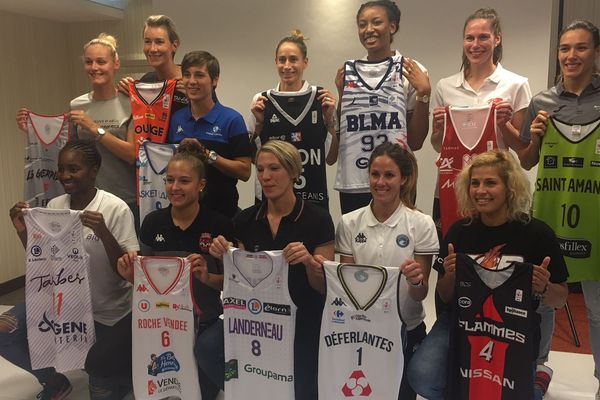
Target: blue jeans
[(428, 368), (591, 293), (108, 362), (546, 331)]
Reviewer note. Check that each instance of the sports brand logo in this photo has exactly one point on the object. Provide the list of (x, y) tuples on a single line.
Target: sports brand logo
[(338, 302), (274, 119), (360, 238), (141, 288), (159, 238)]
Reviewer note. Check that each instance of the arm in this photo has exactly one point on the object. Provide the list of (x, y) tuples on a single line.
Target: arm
[(445, 283), (200, 271), (417, 275), (238, 167), (417, 119), (438, 125), (95, 221), (330, 116), (510, 124), (123, 85), (553, 294), (16, 216), (296, 253), (258, 115), (530, 155), (22, 115), (123, 149)]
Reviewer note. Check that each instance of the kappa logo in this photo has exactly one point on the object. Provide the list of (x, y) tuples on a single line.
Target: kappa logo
[(338, 302), (360, 238), (141, 288), (357, 385), (159, 238), (274, 119)]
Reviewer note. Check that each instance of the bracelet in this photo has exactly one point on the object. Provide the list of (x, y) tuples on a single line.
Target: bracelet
[(540, 295), (417, 285)]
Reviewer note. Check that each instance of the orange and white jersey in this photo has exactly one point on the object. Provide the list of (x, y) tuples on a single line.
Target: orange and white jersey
[(151, 108)]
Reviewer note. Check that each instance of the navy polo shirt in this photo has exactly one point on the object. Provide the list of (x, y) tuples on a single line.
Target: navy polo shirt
[(223, 130), (160, 237)]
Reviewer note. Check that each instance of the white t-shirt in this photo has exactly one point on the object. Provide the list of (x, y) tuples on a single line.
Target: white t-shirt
[(111, 295), (403, 235)]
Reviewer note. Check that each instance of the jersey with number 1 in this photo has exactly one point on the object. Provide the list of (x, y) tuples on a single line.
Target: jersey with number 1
[(153, 159), (259, 324), (360, 349), (493, 332), (46, 135), (60, 321), (373, 111), (151, 108), (467, 133), (163, 329), (567, 194)]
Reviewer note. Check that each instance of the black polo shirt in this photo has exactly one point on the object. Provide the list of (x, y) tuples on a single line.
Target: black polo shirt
[(160, 237), (307, 223)]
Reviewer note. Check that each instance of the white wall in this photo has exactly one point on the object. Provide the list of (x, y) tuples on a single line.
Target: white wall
[(243, 36)]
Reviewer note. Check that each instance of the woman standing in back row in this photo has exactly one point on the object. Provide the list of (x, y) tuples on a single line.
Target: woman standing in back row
[(383, 89)]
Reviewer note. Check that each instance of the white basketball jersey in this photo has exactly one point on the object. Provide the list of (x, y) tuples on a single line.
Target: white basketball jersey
[(259, 326), (153, 159), (373, 111), (46, 135), (360, 349), (163, 329), (60, 322)]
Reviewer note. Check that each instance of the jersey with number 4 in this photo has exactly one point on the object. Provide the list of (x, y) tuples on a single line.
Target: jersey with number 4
[(46, 135), (567, 194), (151, 108), (493, 331), (163, 330), (259, 324), (373, 111), (60, 322), (153, 159), (360, 349), (467, 133)]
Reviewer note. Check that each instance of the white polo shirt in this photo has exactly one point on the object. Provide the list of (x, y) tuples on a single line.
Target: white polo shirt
[(403, 235), (456, 91)]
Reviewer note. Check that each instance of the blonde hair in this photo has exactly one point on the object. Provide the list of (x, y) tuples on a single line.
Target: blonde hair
[(105, 40), (518, 190), (296, 37), (286, 153)]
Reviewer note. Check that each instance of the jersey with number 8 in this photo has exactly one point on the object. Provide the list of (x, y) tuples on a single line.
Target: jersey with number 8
[(259, 325)]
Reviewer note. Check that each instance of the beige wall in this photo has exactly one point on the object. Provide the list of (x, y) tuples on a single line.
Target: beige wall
[(42, 71)]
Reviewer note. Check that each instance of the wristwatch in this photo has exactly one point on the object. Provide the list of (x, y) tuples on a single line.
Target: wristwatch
[(101, 132), (212, 157), (422, 99)]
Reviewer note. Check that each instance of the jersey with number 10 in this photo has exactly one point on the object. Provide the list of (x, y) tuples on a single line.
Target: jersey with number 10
[(163, 330), (360, 349), (60, 322), (492, 332), (567, 194), (259, 323), (370, 115)]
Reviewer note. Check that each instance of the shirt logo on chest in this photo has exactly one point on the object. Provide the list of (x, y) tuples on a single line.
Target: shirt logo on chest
[(159, 238), (361, 238), (274, 119), (402, 240), (205, 241)]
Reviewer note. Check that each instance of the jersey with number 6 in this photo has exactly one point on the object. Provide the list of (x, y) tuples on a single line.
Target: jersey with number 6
[(360, 349), (567, 194), (259, 324), (163, 329), (493, 332), (373, 111), (60, 322)]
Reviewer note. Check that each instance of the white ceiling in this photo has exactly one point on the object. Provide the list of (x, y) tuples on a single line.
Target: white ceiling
[(63, 10)]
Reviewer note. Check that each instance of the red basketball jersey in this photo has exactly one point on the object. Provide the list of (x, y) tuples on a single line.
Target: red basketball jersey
[(151, 109), (467, 133)]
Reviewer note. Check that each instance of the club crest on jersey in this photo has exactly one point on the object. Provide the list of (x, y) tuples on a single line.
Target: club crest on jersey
[(159, 238), (361, 276), (296, 137), (166, 362), (402, 240), (205, 241), (357, 385), (360, 238), (274, 119), (141, 288)]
